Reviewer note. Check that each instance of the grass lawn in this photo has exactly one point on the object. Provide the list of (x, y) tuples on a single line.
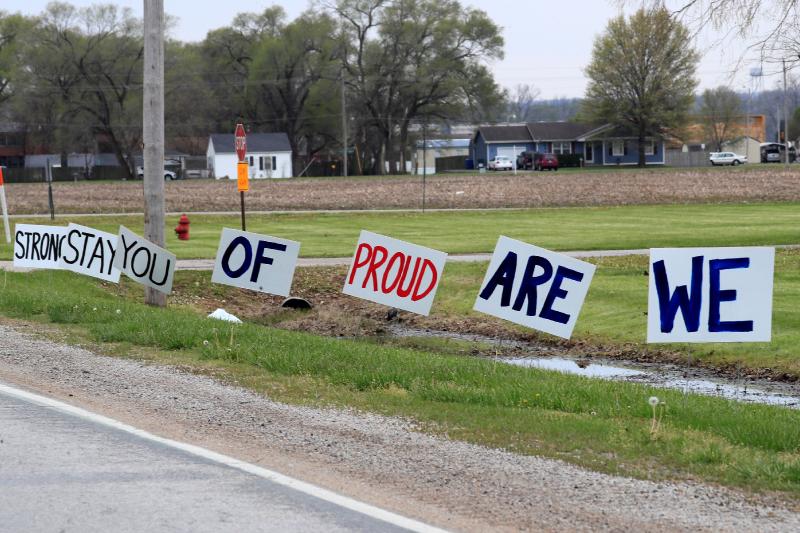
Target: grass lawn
[(599, 424), (595, 228)]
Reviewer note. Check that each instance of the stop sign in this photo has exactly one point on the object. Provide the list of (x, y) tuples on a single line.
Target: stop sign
[(240, 142)]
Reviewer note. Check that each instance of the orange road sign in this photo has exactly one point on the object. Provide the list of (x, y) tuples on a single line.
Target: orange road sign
[(243, 178)]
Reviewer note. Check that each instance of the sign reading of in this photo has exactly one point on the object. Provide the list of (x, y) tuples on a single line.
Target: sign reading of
[(257, 262), (534, 287), (395, 273), (38, 246), (710, 295), (91, 252), (144, 262)]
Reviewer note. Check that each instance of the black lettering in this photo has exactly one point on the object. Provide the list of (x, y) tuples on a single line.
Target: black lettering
[(146, 266), (166, 271), (20, 245), (69, 243)]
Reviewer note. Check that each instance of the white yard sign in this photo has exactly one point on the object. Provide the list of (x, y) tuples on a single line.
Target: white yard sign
[(257, 262), (144, 262), (534, 287), (395, 273), (91, 252), (710, 295), (38, 246)]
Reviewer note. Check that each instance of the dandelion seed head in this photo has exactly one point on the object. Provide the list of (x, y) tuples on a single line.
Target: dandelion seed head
[(653, 401)]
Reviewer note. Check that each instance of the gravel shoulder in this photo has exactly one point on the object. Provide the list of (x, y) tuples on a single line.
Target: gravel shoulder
[(383, 461)]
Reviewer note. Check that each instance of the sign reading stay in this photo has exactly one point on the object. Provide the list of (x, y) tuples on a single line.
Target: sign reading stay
[(38, 246), (144, 262), (91, 252), (534, 287), (257, 262), (710, 295), (395, 273)]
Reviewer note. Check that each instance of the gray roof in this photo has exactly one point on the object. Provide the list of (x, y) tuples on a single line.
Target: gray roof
[(256, 142), (510, 133), (558, 131)]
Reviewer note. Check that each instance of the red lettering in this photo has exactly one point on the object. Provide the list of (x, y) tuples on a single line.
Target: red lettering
[(404, 292), (358, 263), (401, 270), (374, 265), (427, 263)]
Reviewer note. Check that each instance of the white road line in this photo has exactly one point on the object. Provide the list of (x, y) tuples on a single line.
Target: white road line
[(301, 486)]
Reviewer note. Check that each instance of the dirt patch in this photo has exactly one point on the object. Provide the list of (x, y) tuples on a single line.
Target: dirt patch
[(496, 190)]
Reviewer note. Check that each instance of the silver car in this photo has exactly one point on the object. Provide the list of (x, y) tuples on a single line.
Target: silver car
[(727, 158)]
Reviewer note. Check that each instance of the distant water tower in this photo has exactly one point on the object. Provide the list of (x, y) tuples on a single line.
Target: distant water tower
[(756, 73)]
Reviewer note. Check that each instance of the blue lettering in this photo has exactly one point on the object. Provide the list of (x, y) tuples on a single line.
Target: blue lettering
[(248, 256), (556, 292), (527, 289), (504, 276), (717, 296), (261, 260), (688, 303)]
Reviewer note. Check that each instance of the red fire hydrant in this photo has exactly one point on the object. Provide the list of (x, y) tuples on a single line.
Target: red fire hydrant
[(182, 229)]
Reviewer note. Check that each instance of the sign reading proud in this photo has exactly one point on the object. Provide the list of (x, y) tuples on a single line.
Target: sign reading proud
[(257, 262), (710, 295), (91, 252), (144, 262), (395, 273), (38, 246), (534, 287)]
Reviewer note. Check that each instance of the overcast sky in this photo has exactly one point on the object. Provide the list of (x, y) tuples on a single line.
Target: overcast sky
[(548, 44)]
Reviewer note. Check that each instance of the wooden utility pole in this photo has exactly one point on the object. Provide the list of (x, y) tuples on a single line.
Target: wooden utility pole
[(785, 117), (344, 125), (153, 130)]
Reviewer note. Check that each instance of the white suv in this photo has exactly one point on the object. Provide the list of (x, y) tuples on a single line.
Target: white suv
[(726, 158)]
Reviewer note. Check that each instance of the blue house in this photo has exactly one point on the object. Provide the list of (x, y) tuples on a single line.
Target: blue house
[(604, 145)]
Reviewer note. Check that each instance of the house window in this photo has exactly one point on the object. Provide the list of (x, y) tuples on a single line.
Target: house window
[(589, 152), (618, 148), (260, 163), (562, 148), (650, 148), (252, 162), (274, 163)]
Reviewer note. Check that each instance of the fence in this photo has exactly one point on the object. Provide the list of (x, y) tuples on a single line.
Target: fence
[(679, 158), (451, 163)]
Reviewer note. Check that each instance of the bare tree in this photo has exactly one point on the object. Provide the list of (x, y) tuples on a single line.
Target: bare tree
[(719, 110), (521, 101)]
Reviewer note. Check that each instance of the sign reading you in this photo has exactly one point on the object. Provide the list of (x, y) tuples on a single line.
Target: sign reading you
[(257, 262), (395, 273), (710, 295), (91, 252), (534, 287), (144, 262), (38, 246)]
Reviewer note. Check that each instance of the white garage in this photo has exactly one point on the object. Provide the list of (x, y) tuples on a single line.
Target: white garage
[(269, 155)]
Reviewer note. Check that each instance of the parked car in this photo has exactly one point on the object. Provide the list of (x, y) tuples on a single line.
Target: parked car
[(168, 174), (776, 153), (545, 161), (726, 158), (525, 160), (500, 162)]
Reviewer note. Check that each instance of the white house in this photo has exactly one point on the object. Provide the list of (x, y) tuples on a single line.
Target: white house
[(269, 155)]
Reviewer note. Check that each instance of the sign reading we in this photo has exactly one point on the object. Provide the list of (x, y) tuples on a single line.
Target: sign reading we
[(710, 295), (534, 287)]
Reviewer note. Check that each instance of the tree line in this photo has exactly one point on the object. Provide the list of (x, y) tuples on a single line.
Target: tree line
[(73, 76)]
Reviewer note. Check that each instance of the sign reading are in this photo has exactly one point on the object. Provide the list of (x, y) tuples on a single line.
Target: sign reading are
[(91, 252), (710, 295), (395, 273), (534, 287), (257, 262), (144, 262), (38, 246)]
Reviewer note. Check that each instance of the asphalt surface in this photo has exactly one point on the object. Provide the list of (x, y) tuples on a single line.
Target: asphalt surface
[(61, 472)]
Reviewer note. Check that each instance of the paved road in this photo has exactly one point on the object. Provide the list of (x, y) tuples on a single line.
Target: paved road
[(62, 472)]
